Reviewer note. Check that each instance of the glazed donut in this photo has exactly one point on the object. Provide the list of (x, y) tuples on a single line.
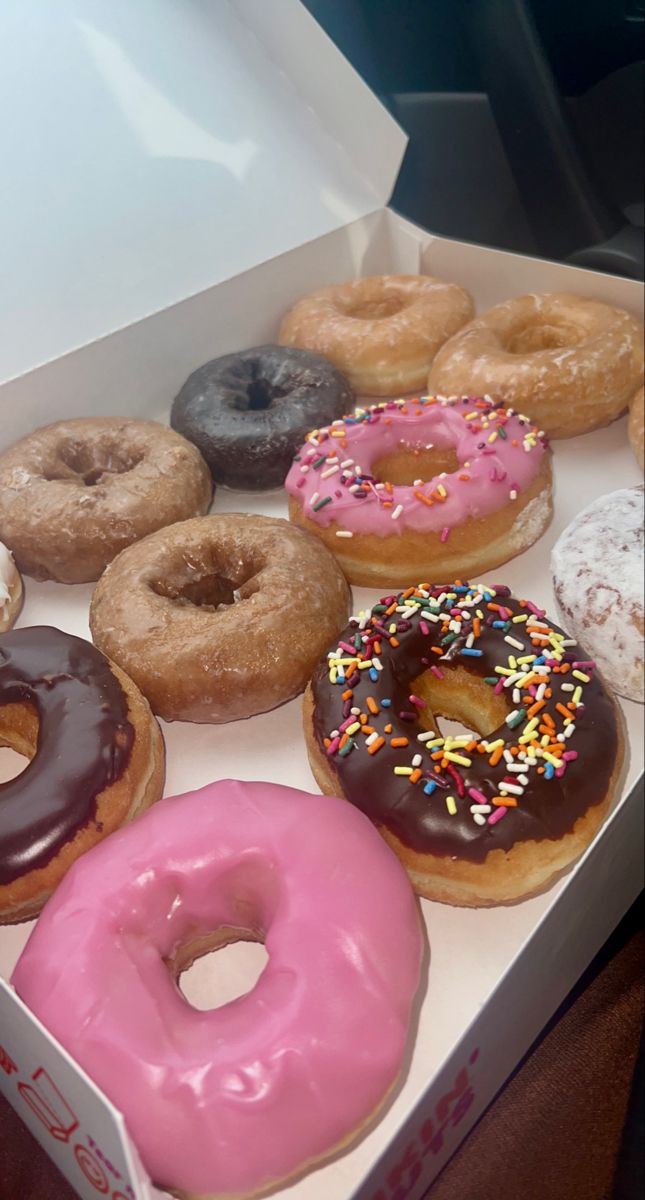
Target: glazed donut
[(96, 753), (483, 496), (10, 589), (597, 568), (247, 413), (478, 819), (635, 426), (72, 495), (569, 363), (220, 617), (381, 332), (231, 1101)]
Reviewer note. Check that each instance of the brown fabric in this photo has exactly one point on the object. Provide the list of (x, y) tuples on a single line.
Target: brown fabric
[(553, 1133)]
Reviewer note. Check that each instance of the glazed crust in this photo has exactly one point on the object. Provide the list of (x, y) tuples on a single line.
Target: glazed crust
[(74, 494), (568, 363), (382, 332), (220, 617), (635, 426), (474, 547), (136, 789)]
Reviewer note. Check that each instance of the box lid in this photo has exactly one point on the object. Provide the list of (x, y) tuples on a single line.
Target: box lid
[(157, 148)]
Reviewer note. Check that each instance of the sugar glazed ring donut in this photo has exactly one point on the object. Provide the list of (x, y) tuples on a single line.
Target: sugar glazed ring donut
[(10, 589), (72, 495), (220, 617), (230, 1101), (569, 363), (635, 426), (483, 492), (381, 332), (476, 819), (97, 760), (597, 568), (247, 413)]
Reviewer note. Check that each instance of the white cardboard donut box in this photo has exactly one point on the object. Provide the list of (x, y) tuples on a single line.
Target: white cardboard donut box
[(204, 163)]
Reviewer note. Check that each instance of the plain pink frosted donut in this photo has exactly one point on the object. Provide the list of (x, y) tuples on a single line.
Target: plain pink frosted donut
[(231, 1100)]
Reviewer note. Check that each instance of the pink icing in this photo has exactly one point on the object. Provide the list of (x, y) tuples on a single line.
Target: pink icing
[(499, 453), (227, 1100)]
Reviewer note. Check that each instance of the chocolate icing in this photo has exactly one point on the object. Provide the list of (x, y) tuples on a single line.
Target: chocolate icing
[(548, 809), (84, 743), (248, 413)]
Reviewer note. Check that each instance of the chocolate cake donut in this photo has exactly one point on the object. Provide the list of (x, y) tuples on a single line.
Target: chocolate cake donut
[(248, 412)]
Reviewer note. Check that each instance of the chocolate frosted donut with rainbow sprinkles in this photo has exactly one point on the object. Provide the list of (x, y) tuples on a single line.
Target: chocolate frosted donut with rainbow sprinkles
[(479, 818), (428, 487)]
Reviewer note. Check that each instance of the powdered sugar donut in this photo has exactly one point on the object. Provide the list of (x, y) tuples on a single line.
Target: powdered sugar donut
[(597, 567), (10, 589)]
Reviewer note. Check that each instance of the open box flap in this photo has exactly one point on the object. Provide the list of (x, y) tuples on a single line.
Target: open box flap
[(155, 149), (74, 1122)]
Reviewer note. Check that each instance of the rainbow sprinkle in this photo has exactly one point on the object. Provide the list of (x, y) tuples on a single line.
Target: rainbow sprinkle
[(536, 670), (341, 476)]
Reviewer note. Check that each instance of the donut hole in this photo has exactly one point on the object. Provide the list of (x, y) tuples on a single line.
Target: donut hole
[(18, 739), (260, 395), (210, 592), (533, 337), (89, 463), (460, 703), (374, 309), (409, 464), (12, 764), (210, 582), (220, 967)]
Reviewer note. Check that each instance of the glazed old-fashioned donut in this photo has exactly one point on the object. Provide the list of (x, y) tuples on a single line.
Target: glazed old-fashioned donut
[(597, 568), (635, 427), (72, 495), (569, 363), (10, 589), (231, 1101), (381, 332), (220, 617), (426, 487), (478, 819), (248, 412), (97, 759)]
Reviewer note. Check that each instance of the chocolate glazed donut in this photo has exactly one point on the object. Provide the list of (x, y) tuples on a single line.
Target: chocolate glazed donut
[(97, 759), (247, 413), (475, 654)]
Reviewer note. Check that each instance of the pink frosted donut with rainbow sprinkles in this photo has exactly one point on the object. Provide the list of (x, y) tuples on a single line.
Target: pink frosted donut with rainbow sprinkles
[(423, 488), (229, 1101)]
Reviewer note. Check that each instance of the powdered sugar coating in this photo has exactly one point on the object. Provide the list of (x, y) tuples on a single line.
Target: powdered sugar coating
[(7, 575), (597, 568)]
